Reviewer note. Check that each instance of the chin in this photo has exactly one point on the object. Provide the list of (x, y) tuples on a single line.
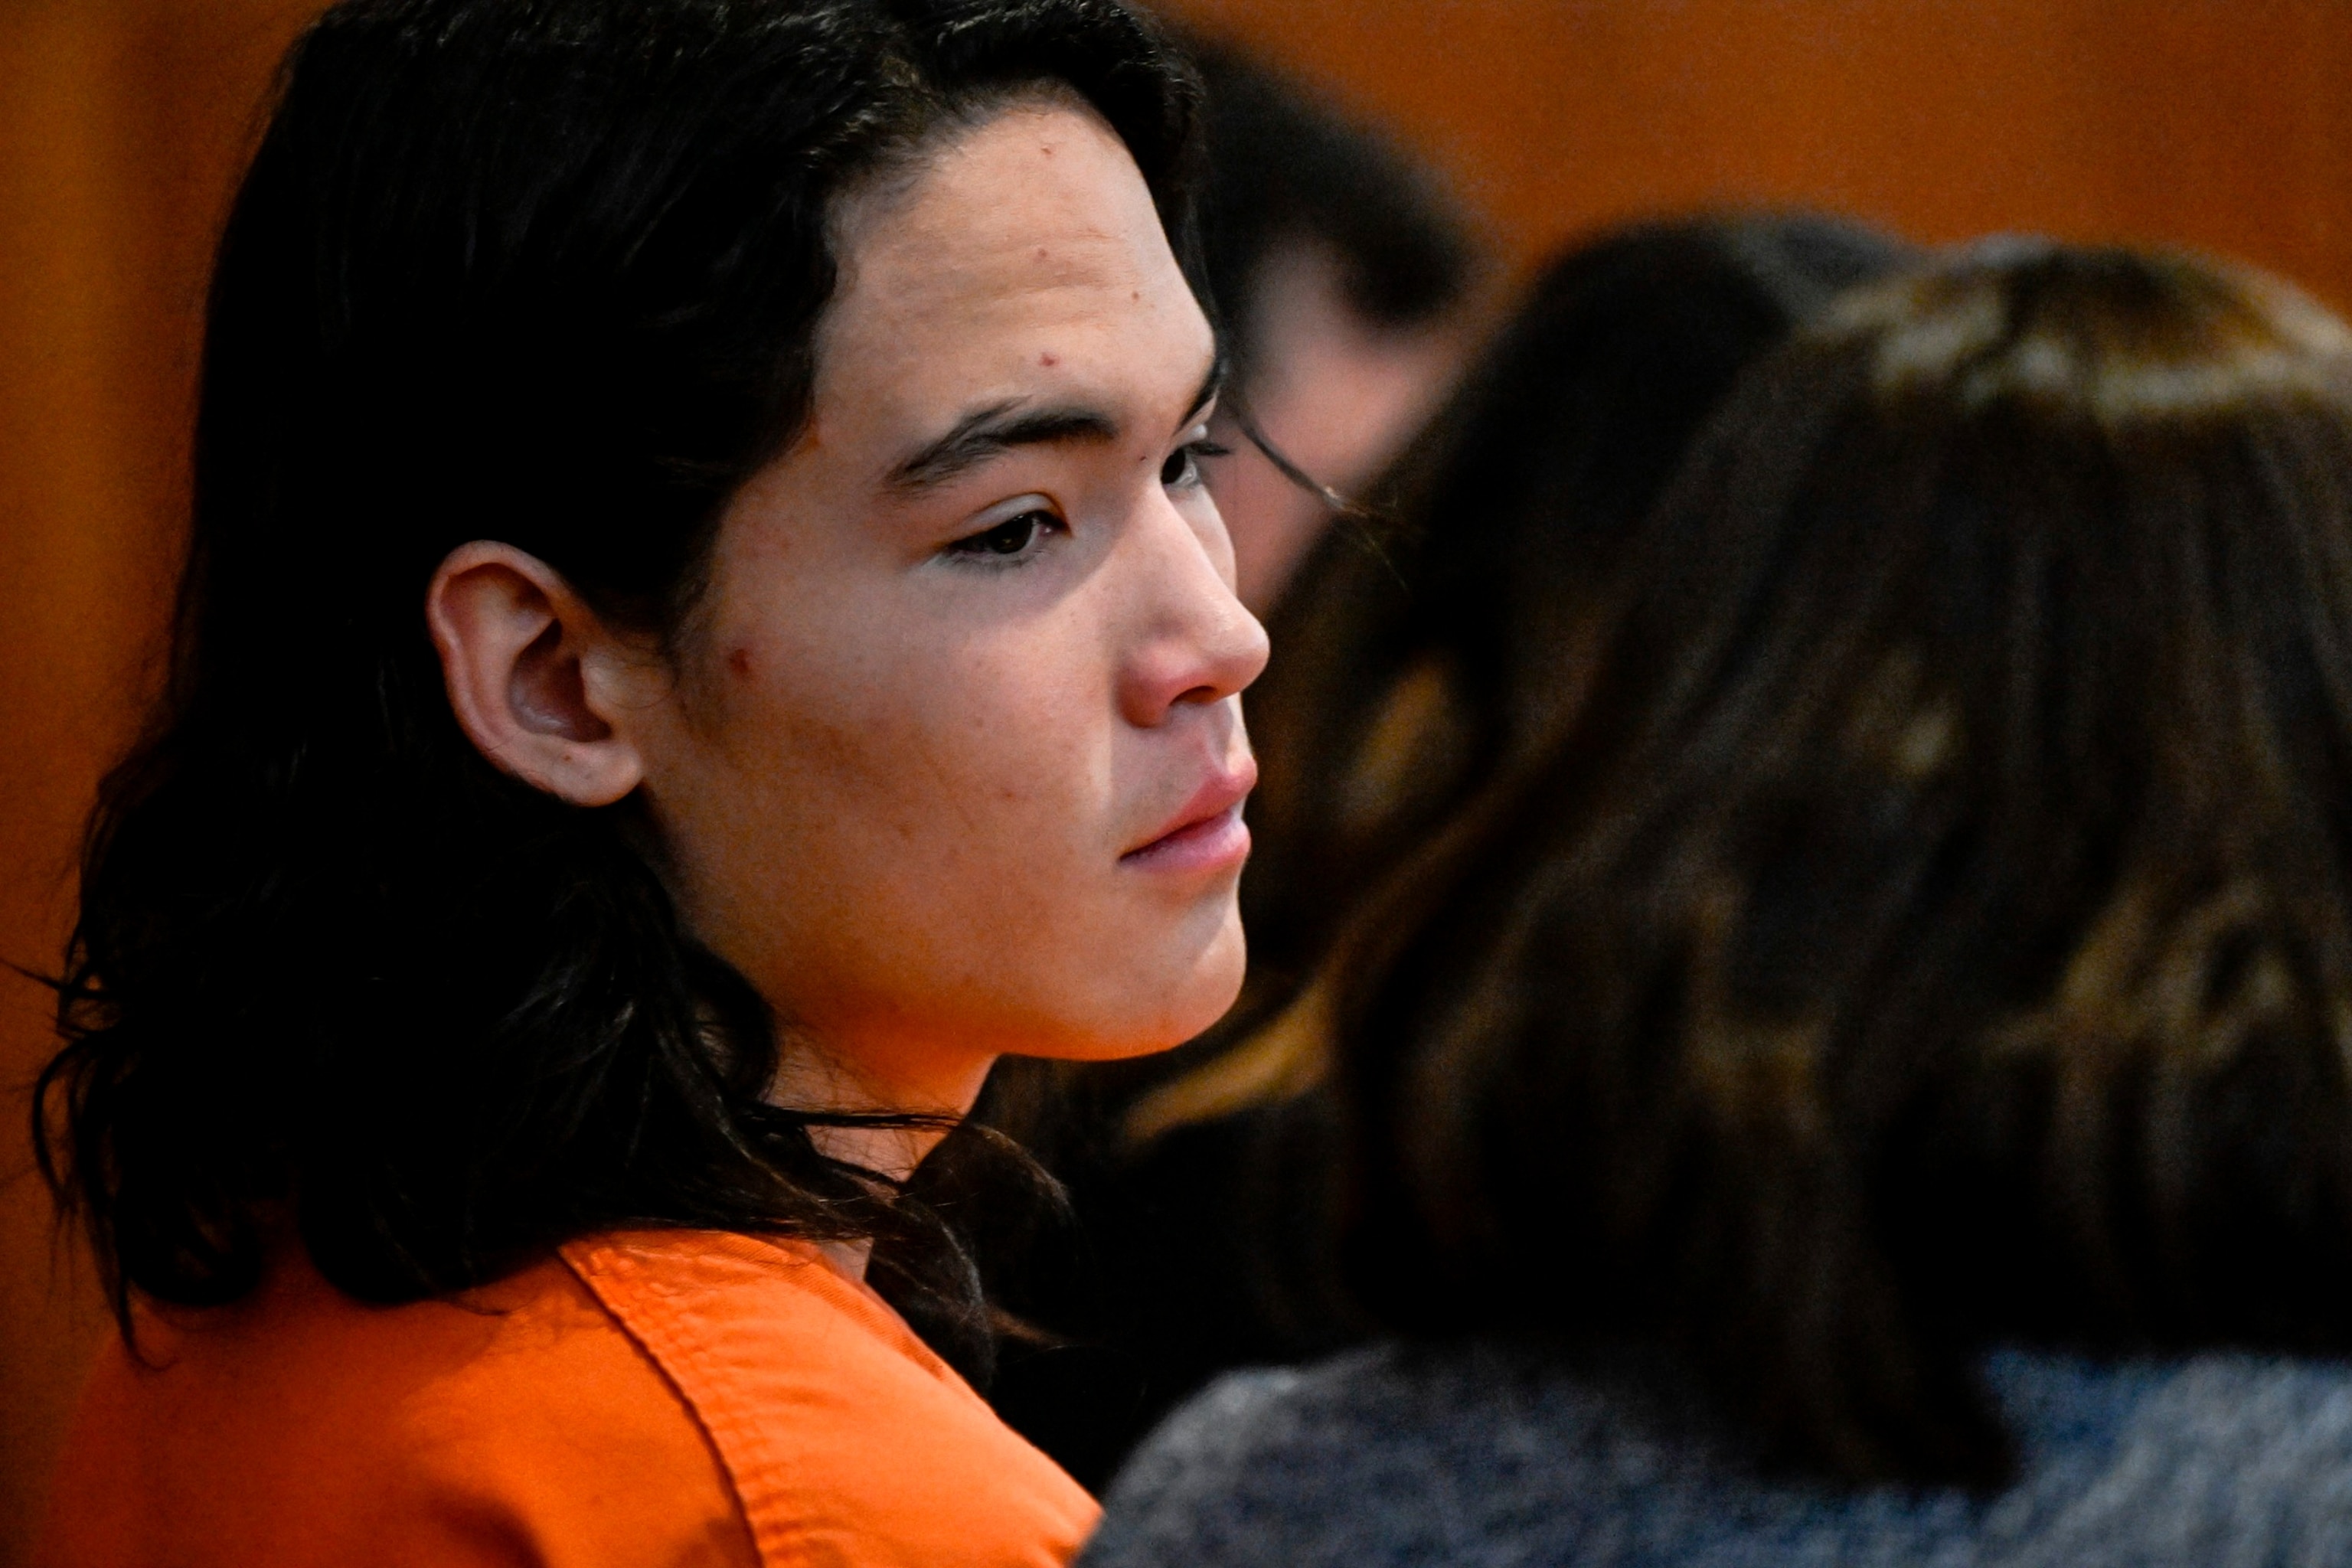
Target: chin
[(1186, 1004)]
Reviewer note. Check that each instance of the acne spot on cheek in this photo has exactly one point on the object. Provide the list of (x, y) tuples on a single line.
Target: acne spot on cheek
[(740, 660), (1049, 359)]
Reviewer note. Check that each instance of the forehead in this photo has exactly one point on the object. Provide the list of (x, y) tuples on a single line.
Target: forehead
[(1024, 258)]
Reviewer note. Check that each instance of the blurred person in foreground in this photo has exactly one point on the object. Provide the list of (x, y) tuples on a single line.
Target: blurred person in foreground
[(1410, 654), (1870, 1085)]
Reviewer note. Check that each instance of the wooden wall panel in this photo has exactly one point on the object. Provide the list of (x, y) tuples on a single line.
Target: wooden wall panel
[(121, 124), (2225, 124)]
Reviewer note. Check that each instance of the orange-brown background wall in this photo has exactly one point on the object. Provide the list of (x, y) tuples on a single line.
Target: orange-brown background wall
[(2224, 124)]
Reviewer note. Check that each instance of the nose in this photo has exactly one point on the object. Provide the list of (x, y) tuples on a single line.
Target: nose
[(1193, 643)]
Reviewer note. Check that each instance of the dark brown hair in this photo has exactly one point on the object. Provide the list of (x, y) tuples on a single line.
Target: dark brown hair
[(1933, 924), (1420, 645)]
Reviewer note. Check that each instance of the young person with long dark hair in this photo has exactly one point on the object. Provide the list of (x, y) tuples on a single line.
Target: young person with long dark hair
[(1865, 1080), (703, 631), (1350, 279)]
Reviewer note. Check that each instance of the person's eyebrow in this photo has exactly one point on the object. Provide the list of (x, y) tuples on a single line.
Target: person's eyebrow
[(1212, 383), (984, 433)]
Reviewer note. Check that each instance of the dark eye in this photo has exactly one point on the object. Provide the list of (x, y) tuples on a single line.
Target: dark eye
[(1182, 469), (1014, 536)]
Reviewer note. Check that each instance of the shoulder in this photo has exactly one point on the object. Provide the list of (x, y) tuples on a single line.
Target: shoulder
[(2202, 1458), (304, 1427), (674, 1397), (1473, 1454), (1194, 1490), (1386, 1454), (845, 1437)]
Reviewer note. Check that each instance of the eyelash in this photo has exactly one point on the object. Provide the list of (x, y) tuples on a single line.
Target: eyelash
[(981, 548), (1189, 454), (977, 549)]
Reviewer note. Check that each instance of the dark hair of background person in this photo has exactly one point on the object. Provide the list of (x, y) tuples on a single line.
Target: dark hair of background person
[(1211, 1234), (1421, 650), (1285, 169), (1932, 928), (549, 274)]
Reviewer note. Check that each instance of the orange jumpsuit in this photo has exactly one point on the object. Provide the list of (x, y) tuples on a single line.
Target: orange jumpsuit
[(647, 1398)]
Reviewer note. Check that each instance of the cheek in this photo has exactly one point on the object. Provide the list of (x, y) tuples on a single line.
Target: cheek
[(954, 742), (906, 790), (924, 834)]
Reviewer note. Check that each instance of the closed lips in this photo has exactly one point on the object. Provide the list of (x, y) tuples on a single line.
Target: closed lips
[(1210, 820)]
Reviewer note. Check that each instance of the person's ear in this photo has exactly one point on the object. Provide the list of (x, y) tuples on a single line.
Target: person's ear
[(541, 685)]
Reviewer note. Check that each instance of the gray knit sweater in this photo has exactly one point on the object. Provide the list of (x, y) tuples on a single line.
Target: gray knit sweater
[(1487, 1456)]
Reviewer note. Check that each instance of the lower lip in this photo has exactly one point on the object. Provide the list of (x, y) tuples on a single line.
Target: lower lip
[(1218, 843)]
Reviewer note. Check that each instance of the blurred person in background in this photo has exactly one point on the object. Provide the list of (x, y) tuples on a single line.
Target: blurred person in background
[(1346, 279), (1870, 1084), (1410, 654), (704, 629)]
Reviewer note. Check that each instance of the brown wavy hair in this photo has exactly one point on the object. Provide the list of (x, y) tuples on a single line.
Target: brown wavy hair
[(1933, 927)]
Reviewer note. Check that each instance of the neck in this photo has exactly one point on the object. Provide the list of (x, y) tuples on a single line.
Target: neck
[(810, 1077)]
